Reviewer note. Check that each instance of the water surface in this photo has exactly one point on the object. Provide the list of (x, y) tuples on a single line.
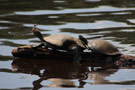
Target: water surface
[(111, 20)]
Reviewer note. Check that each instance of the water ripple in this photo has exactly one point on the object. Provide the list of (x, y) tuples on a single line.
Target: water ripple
[(66, 11)]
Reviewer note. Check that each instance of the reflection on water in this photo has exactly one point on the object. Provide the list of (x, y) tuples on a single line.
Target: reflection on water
[(111, 20), (53, 73), (63, 74)]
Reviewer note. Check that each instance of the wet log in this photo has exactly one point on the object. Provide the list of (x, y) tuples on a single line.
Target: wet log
[(42, 53)]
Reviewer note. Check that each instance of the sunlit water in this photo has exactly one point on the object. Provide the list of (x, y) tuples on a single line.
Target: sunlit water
[(111, 20)]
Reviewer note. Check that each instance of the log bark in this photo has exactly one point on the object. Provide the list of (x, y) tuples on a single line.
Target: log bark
[(42, 53)]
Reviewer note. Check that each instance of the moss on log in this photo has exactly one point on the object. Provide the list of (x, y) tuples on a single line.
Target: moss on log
[(42, 53)]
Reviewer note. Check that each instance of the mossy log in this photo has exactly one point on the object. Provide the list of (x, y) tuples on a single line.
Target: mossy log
[(42, 53)]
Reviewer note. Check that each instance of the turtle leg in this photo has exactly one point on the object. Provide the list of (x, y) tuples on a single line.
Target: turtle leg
[(109, 59), (40, 45), (77, 55)]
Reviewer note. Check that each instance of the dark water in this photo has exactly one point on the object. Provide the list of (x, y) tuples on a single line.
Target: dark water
[(111, 20)]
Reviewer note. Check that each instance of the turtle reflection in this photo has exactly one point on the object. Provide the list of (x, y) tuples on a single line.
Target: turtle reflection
[(62, 73)]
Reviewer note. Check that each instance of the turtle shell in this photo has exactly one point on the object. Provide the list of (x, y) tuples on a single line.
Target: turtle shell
[(103, 47), (63, 41)]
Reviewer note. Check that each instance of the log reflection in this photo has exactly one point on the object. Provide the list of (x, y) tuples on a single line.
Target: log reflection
[(63, 73)]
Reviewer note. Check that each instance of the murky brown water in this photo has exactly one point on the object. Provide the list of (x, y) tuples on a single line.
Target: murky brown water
[(111, 20)]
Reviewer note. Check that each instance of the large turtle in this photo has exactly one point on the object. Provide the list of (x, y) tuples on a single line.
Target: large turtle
[(100, 46), (61, 42)]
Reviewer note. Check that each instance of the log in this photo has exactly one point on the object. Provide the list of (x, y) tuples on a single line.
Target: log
[(41, 53)]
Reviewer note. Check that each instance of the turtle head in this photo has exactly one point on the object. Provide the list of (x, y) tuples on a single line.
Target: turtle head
[(84, 41), (37, 33)]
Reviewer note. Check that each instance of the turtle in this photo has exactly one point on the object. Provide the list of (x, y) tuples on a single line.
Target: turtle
[(61, 42), (100, 46)]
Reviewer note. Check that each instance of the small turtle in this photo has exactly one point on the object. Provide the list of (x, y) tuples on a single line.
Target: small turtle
[(100, 46), (61, 42)]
